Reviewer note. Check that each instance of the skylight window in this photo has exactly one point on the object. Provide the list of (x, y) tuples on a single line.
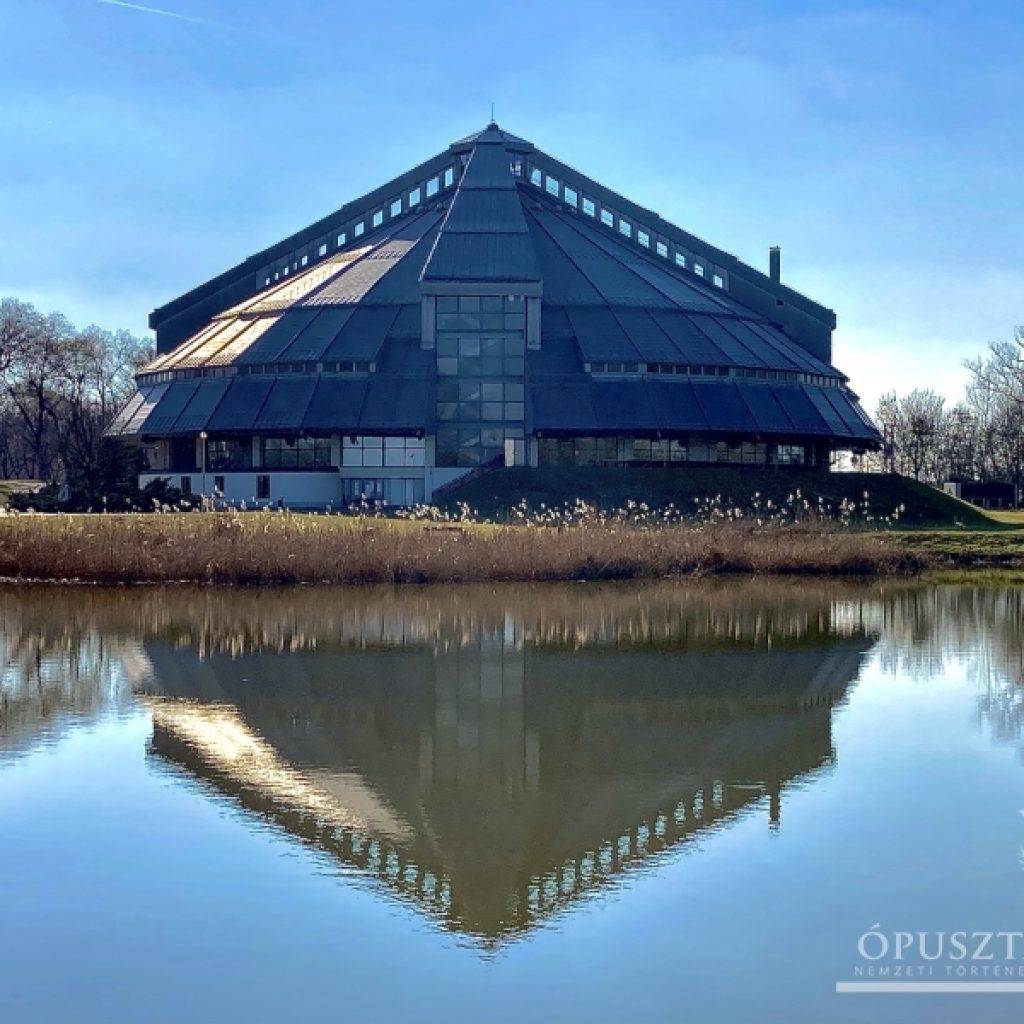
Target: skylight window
[(305, 260), (396, 207), (378, 218), (698, 270), (680, 260), (643, 238), (536, 177), (341, 239), (323, 249), (432, 187), (359, 229), (449, 176), (625, 228), (662, 250), (607, 218), (718, 281), (552, 186), (414, 197), (588, 207), (571, 196)]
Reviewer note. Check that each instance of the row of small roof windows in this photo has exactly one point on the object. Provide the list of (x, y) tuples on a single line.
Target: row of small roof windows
[(258, 369), (395, 208), (610, 219), (686, 370)]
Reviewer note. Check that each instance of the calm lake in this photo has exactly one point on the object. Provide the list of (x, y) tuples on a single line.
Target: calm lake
[(707, 801)]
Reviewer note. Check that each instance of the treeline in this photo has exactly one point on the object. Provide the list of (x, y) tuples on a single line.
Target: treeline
[(979, 438), (60, 388)]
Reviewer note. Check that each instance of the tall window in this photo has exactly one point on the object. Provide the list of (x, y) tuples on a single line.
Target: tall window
[(481, 367)]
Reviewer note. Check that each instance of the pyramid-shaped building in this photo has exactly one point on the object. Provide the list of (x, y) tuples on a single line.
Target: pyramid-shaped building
[(490, 307)]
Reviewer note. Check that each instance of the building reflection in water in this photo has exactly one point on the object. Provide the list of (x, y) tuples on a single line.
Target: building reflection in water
[(493, 754)]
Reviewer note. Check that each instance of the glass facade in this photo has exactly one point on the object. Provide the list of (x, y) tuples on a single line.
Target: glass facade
[(297, 452), (383, 451), (481, 377), (229, 453), (644, 451)]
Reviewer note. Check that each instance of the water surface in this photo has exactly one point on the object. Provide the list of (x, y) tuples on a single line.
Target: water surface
[(660, 802)]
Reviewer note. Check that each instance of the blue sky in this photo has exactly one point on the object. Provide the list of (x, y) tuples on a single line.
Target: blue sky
[(881, 145)]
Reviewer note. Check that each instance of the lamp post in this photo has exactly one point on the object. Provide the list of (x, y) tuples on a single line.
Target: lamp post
[(202, 456)]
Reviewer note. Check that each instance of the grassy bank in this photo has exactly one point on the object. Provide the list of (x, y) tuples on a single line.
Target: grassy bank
[(277, 548), (496, 494)]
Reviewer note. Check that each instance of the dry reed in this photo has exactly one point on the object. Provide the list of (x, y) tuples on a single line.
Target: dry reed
[(282, 548)]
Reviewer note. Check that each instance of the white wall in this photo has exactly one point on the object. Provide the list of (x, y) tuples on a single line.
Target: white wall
[(295, 489)]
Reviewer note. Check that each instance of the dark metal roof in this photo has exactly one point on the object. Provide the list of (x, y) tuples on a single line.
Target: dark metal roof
[(727, 407), (609, 296), (484, 237)]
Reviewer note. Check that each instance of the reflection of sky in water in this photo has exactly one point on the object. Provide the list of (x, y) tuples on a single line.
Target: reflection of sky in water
[(633, 800)]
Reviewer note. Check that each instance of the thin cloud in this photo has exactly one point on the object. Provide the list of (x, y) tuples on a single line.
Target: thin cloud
[(154, 10)]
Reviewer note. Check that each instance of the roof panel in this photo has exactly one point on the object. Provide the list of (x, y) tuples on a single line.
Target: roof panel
[(401, 284), (169, 407), (648, 283), (762, 351), (285, 406), (763, 402), (241, 405), (487, 211), (199, 355), (600, 335), (336, 405), (278, 337), (478, 257), (800, 409), (120, 423), (564, 283), (735, 352), (846, 404), (395, 404), (786, 346), (243, 341), (196, 415), (623, 405), (210, 339), (836, 424), (490, 167), (142, 411), (557, 356), (317, 337), (611, 277), (408, 324), (650, 341), (675, 406), (695, 347), (563, 407), (362, 335), (723, 406)]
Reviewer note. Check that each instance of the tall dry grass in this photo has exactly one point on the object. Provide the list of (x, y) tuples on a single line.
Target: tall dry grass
[(280, 548)]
